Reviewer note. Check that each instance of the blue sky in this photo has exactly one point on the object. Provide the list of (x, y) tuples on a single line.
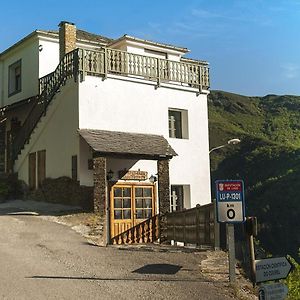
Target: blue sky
[(253, 46)]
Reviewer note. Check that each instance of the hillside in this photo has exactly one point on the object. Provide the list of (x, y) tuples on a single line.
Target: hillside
[(267, 159)]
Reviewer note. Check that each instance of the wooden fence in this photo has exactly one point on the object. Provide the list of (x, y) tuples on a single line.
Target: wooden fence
[(194, 226)]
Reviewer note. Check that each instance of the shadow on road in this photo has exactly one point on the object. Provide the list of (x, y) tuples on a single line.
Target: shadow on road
[(158, 269)]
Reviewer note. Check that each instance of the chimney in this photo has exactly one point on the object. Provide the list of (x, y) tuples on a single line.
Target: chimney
[(67, 38)]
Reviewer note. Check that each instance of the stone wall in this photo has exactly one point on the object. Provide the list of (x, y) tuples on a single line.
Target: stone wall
[(64, 190)]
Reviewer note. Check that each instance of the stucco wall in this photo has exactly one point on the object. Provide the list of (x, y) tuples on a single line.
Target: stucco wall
[(121, 105), (27, 52), (57, 133), (48, 56)]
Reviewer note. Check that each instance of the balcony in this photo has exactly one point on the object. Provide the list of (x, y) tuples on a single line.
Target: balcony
[(189, 73)]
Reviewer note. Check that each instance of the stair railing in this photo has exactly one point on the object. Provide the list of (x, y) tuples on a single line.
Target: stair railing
[(48, 86)]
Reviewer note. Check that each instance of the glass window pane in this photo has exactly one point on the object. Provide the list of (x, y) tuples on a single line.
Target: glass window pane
[(117, 192), (148, 213), (118, 203), (138, 192), (147, 192), (148, 203), (175, 124), (126, 214), (118, 214), (139, 214), (127, 203), (139, 203), (126, 192)]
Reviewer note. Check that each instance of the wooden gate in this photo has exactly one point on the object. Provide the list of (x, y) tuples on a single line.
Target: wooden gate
[(130, 205)]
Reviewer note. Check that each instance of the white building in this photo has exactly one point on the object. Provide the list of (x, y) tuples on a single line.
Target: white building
[(110, 114)]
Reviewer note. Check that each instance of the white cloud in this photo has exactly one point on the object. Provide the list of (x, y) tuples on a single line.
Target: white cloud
[(290, 70)]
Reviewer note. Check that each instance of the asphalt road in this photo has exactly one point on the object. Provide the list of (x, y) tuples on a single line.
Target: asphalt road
[(40, 259)]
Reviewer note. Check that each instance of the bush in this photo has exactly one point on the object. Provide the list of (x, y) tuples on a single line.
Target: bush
[(293, 280), (11, 187)]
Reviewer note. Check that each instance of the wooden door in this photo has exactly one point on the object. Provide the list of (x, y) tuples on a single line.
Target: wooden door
[(41, 166), (32, 171), (130, 205)]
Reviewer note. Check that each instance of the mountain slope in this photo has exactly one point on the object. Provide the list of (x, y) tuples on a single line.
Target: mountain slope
[(268, 160)]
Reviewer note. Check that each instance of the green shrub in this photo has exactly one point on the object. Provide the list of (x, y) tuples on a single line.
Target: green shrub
[(293, 280)]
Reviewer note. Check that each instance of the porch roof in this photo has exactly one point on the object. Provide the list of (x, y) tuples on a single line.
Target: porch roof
[(125, 143)]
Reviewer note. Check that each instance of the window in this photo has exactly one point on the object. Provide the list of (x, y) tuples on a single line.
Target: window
[(180, 197), (14, 78), (157, 54), (178, 123)]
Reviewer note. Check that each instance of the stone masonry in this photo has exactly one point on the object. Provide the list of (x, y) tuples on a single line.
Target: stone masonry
[(163, 185), (100, 193), (67, 38)]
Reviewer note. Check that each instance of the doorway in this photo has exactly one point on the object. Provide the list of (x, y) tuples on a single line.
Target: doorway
[(130, 205)]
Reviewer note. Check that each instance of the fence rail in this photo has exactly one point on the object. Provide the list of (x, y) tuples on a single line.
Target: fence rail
[(194, 226)]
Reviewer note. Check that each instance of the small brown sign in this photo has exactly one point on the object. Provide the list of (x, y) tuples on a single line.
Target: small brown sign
[(133, 175)]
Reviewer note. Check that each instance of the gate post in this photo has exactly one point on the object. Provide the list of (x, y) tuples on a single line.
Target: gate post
[(100, 196), (163, 193)]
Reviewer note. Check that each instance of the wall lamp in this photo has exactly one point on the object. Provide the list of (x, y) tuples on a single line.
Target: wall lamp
[(153, 178), (110, 174)]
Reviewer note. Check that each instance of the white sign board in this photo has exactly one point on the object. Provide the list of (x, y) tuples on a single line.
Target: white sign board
[(272, 269), (273, 291), (230, 201)]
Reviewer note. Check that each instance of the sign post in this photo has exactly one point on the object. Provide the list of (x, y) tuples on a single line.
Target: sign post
[(230, 210)]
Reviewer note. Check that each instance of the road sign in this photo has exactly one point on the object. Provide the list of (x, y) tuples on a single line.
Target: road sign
[(273, 291), (230, 201), (272, 269)]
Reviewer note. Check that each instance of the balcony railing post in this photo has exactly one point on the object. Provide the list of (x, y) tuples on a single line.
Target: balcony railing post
[(83, 65), (200, 78), (105, 61), (158, 72), (75, 64)]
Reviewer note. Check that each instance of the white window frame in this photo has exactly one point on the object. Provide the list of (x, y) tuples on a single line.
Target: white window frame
[(182, 129), (186, 195)]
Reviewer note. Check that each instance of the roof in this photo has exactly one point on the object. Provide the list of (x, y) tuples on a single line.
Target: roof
[(125, 143), (82, 35), (85, 36)]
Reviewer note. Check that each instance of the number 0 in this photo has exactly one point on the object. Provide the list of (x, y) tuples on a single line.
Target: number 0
[(230, 214)]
